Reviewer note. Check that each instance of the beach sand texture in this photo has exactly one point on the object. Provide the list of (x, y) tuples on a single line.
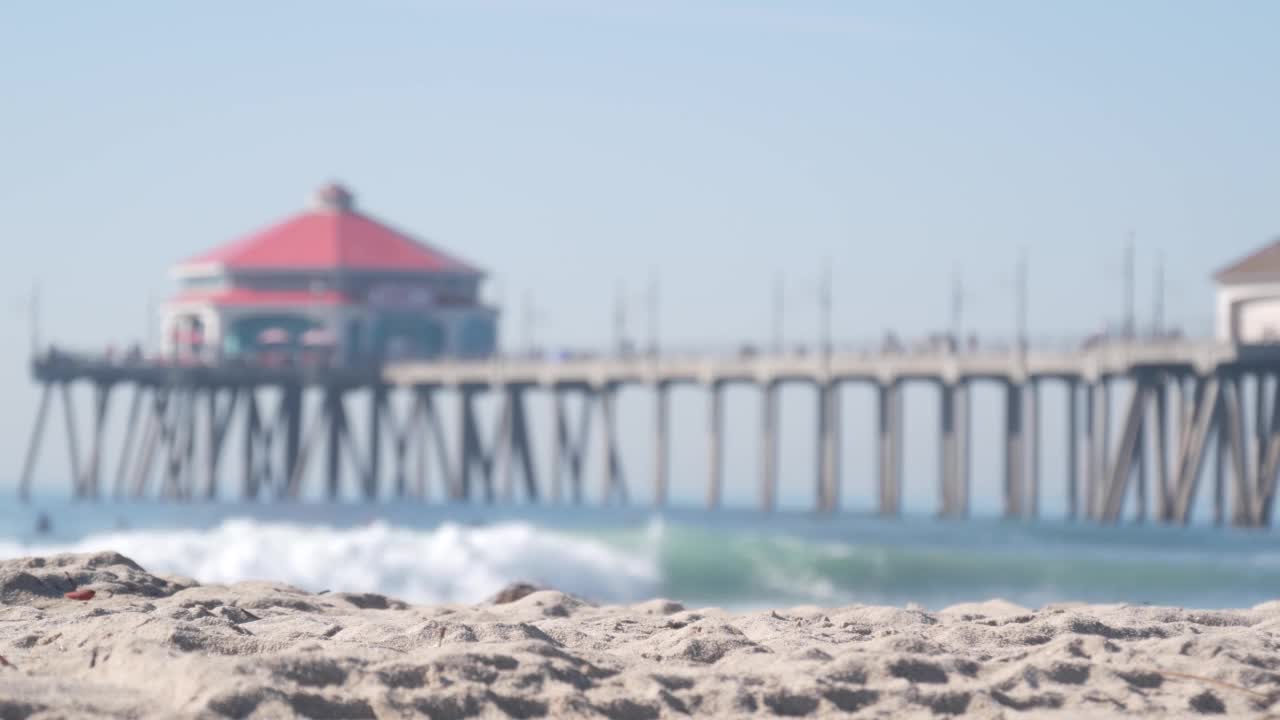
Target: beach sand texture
[(153, 646)]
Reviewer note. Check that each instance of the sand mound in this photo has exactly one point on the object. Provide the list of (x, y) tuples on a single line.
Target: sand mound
[(149, 646)]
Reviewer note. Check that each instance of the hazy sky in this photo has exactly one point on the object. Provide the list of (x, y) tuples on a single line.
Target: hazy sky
[(569, 146)]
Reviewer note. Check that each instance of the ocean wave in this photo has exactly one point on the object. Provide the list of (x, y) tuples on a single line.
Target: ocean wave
[(450, 563), (736, 567)]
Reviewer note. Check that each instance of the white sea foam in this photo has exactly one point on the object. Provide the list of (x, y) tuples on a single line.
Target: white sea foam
[(451, 563), (730, 566)]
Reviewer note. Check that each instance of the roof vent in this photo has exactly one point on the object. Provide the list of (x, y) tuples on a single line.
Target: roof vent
[(334, 198)]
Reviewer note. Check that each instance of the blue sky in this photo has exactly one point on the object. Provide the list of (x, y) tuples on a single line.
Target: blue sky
[(572, 146)]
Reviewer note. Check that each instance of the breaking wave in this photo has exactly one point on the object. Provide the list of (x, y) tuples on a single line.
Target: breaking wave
[(450, 563), (739, 565)]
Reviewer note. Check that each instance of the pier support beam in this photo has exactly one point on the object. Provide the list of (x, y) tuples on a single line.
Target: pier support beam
[(570, 448), (1270, 473), (1014, 455), (769, 446), (218, 419), (1159, 435), (715, 445), (1129, 455), (1073, 449), (73, 440), (155, 428), (661, 444), (291, 406), (948, 465), (1031, 502), (890, 447), (411, 434), (93, 478), (187, 483), (615, 490), (258, 442), (1090, 464), (473, 455), (559, 446), (520, 453), (500, 461), (828, 481), (1097, 431), (419, 430), (1140, 460), (468, 445), (336, 414), (1104, 445), (1201, 421), (964, 441), (174, 441), (1220, 473), (953, 459), (373, 475), (1261, 431), (130, 434), (1243, 506), (400, 435), (33, 449), (450, 470), (291, 486), (249, 446)]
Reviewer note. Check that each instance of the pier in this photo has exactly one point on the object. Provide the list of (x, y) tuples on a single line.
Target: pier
[(1186, 403), (271, 340)]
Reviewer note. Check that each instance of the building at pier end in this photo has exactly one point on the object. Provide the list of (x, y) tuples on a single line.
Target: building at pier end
[(1248, 304), (331, 285)]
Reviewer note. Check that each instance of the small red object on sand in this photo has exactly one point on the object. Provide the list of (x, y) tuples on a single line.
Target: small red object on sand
[(80, 595)]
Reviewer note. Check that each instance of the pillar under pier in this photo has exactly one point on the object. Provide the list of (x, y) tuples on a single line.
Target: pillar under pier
[(890, 426), (615, 490), (1031, 501), (662, 445), (1073, 449), (948, 475), (828, 447), (769, 447), (1014, 458), (715, 445), (1097, 429), (964, 439), (953, 470)]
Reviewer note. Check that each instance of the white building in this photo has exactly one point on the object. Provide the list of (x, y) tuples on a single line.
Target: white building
[(1248, 305)]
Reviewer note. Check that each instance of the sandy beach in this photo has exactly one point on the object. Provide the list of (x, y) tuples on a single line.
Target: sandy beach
[(153, 646)]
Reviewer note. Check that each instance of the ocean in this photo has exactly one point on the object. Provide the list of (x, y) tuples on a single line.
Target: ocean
[(735, 559)]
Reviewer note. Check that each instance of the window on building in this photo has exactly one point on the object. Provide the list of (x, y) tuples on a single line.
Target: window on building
[(478, 337)]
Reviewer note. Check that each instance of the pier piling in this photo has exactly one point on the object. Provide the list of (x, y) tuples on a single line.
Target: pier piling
[(768, 446), (890, 423), (715, 444)]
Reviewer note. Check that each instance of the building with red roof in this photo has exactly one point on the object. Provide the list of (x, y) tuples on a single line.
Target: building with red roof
[(329, 282)]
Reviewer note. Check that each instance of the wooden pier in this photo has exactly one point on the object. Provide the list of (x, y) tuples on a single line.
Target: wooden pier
[(1187, 402)]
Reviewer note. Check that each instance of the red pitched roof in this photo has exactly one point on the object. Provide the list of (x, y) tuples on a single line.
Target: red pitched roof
[(334, 235), (1263, 264)]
